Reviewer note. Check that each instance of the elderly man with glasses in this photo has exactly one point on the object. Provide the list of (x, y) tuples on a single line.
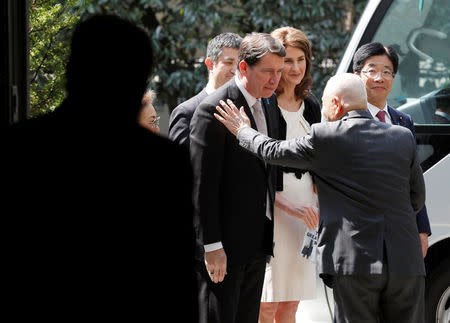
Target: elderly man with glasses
[(148, 118)]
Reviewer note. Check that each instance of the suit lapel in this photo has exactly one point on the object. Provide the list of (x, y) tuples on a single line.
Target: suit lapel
[(239, 101), (248, 112), (394, 116)]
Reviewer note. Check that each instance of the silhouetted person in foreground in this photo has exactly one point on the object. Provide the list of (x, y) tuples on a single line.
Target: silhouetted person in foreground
[(89, 234)]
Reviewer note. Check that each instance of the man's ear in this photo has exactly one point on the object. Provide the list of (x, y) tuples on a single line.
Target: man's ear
[(209, 63), (338, 107), (243, 67)]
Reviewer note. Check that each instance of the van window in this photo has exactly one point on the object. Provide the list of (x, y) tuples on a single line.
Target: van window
[(420, 33)]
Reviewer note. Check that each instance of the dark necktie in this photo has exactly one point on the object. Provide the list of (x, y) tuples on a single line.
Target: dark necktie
[(380, 115)]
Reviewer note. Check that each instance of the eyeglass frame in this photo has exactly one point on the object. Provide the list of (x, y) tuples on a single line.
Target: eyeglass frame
[(390, 74), (155, 122)]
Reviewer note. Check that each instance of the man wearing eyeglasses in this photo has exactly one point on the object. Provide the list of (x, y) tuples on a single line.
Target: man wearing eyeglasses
[(377, 65)]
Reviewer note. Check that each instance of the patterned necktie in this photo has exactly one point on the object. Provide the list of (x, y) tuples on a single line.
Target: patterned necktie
[(259, 117), (380, 115), (260, 121)]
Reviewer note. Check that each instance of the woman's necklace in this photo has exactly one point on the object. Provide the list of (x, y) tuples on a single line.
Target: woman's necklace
[(294, 106), (302, 125)]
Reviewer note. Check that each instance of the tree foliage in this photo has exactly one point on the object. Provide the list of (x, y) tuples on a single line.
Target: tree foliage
[(49, 37), (180, 30)]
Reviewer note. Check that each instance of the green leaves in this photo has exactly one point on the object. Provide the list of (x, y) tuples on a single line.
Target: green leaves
[(179, 31), (50, 25)]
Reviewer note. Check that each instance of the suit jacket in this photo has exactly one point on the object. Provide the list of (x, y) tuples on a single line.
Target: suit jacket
[(402, 119), (369, 191), (437, 119), (230, 184), (180, 119), (83, 232)]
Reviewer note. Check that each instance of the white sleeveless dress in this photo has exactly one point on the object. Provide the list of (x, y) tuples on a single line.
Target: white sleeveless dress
[(290, 277)]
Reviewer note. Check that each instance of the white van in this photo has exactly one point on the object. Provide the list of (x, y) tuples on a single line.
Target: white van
[(419, 30)]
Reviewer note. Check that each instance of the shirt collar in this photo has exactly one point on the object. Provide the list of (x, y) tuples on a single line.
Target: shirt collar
[(251, 100), (374, 110), (209, 89), (357, 114)]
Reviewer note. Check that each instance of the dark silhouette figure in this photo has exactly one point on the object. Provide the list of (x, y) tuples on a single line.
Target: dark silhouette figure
[(99, 218)]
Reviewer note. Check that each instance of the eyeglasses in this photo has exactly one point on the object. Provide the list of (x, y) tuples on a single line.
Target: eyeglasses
[(387, 75), (155, 122)]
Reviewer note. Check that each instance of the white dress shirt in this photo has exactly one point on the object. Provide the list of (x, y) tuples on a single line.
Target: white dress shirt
[(209, 88), (374, 110)]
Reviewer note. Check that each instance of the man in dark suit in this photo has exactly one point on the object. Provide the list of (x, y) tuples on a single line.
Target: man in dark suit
[(221, 61), (369, 193), (377, 66), (234, 191), (86, 195)]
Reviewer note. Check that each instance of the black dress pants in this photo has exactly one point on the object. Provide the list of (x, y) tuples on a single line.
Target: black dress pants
[(379, 298), (237, 298)]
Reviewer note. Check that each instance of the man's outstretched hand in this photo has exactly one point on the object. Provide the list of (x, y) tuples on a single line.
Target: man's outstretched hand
[(233, 119)]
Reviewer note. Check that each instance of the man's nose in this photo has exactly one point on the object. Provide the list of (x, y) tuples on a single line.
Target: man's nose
[(273, 79), (378, 78)]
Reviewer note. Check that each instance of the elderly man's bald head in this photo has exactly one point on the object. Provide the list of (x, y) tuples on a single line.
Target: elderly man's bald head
[(343, 93)]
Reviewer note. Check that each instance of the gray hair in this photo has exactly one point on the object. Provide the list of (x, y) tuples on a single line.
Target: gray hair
[(216, 45), (149, 97), (256, 45)]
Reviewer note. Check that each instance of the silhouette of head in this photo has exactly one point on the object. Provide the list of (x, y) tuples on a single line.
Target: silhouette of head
[(109, 65)]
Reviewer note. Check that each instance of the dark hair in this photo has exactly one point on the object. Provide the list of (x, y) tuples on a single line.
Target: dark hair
[(256, 45), (293, 37), (373, 49), (216, 45)]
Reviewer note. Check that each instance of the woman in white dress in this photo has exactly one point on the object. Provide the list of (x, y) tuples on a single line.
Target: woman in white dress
[(289, 277)]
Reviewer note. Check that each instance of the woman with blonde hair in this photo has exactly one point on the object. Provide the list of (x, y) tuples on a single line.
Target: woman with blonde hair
[(289, 277)]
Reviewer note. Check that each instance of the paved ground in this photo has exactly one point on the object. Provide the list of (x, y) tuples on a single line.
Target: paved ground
[(316, 310)]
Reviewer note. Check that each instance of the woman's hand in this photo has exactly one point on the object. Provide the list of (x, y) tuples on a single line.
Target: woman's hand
[(307, 213)]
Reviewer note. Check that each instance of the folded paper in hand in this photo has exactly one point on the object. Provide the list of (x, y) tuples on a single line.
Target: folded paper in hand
[(309, 246)]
